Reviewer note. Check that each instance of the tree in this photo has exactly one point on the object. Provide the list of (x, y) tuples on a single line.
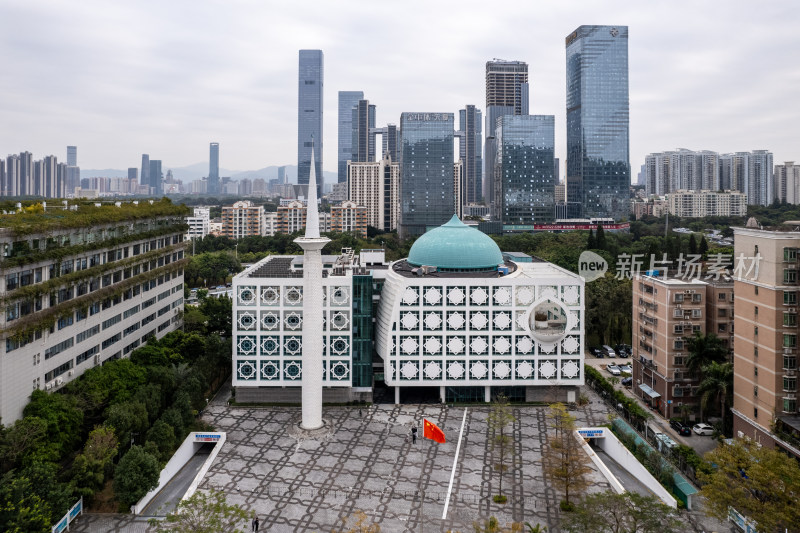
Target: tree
[(361, 524), (601, 237), (759, 482), (163, 436), (703, 350), (590, 243), (135, 475), (703, 250), (126, 419), (717, 384), (204, 513), (629, 512), (492, 525), (18, 439), (692, 245), (565, 461), (502, 446), (62, 416), (21, 508)]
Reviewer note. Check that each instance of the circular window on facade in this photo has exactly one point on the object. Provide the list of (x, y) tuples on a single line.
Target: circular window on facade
[(270, 296), (292, 321), (269, 321), (340, 320), (548, 321)]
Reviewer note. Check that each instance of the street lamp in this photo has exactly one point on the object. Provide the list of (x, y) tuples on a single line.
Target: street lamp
[(236, 251)]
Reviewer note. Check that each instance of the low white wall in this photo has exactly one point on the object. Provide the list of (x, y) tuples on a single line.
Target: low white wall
[(618, 452), (612, 479), (176, 462)]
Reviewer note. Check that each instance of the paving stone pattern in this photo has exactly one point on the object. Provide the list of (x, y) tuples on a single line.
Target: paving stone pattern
[(369, 464)]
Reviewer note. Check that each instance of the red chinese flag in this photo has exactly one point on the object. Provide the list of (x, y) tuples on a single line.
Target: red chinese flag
[(432, 431)]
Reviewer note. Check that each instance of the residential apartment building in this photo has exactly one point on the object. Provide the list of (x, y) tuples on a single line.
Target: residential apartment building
[(292, 218), (242, 219), (376, 187), (199, 223), (698, 204), (666, 313), (787, 182), (656, 207), (349, 218), (76, 296), (765, 353)]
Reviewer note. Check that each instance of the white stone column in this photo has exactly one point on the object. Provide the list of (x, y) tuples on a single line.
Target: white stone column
[(312, 331)]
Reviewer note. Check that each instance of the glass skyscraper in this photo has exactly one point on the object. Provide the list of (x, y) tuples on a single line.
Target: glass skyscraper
[(470, 151), (347, 101), (427, 191), (213, 169), (598, 159), (155, 177), (309, 116), (506, 94), (524, 177)]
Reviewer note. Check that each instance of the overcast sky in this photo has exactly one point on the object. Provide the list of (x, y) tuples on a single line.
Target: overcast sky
[(166, 78)]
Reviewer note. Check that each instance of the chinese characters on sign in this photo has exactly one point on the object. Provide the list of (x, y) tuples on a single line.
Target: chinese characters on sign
[(690, 266)]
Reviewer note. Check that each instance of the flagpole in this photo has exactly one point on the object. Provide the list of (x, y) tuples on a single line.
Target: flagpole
[(455, 462)]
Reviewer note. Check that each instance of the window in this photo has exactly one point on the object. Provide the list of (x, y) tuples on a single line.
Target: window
[(697, 313), (678, 328), (678, 344), (722, 328), (790, 276), (678, 298), (679, 361), (65, 321), (755, 351), (721, 296), (755, 371), (789, 319), (755, 330), (789, 340), (789, 405), (722, 312), (755, 391), (697, 298), (111, 321), (677, 313), (83, 335), (756, 310), (695, 329), (756, 291), (87, 354), (58, 348), (789, 384), (755, 412), (789, 362), (790, 254), (789, 298)]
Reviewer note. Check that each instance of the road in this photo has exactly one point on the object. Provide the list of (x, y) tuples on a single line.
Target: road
[(166, 500), (629, 481), (699, 443)]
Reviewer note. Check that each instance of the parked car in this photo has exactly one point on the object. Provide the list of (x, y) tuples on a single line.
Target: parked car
[(682, 429), (703, 429), (609, 351), (613, 370), (597, 352), (627, 382), (626, 368)]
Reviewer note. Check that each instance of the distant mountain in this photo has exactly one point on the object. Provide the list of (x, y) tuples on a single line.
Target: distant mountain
[(200, 170)]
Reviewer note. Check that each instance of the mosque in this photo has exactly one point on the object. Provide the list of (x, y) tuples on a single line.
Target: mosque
[(457, 320)]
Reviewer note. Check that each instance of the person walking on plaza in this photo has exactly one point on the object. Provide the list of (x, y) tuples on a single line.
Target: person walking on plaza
[(254, 524), (414, 435)]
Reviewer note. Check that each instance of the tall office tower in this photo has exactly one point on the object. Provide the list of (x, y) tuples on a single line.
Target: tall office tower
[(726, 172), (133, 173), (309, 116), (155, 178), (3, 182), (427, 198), (507, 91), (470, 151), (213, 169), (282, 175), (389, 141), (598, 152), (37, 185), (347, 101), (759, 189), (72, 156), (524, 171), (72, 178), (145, 173), (787, 183), (363, 132)]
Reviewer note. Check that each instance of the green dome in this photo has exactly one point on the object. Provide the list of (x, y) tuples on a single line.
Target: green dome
[(455, 246)]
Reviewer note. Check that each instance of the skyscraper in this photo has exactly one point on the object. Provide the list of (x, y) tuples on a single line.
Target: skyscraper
[(309, 116), (282, 175), (72, 156), (364, 132), (347, 101), (470, 151), (145, 174), (427, 196), (155, 177), (133, 173), (213, 169), (598, 157), (506, 94), (524, 171)]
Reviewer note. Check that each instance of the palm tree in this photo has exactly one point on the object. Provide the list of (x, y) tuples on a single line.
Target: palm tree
[(704, 350), (717, 384)]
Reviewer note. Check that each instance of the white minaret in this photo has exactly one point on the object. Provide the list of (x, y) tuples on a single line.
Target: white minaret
[(312, 245)]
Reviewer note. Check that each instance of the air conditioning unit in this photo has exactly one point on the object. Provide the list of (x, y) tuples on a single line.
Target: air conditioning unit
[(792, 309), (70, 372), (59, 381), (49, 385)]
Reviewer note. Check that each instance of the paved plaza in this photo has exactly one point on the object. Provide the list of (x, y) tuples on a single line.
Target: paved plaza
[(369, 464)]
